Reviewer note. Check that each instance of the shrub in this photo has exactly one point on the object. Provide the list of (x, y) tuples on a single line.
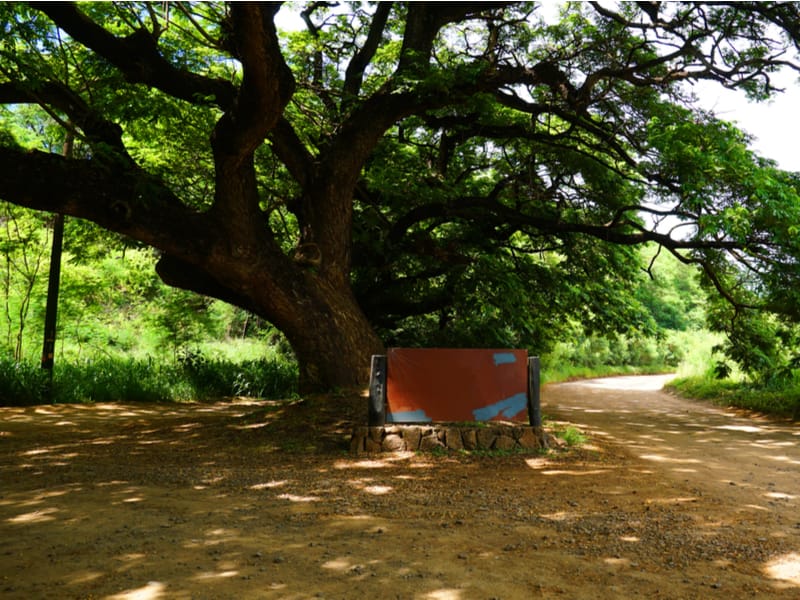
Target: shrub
[(192, 377), (752, 396), (22, 384)]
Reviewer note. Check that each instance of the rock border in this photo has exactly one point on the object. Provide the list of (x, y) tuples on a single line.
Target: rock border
[(448, 436)]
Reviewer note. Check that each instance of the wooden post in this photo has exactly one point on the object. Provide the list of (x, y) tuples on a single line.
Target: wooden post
[(53, 281), (51, 309), (377, 391), (534, 395)]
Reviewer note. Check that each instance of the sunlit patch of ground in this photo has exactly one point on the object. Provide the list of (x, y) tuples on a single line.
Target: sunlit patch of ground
[(785, 568)]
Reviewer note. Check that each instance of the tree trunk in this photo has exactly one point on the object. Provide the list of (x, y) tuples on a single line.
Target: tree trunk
[(332, 339)]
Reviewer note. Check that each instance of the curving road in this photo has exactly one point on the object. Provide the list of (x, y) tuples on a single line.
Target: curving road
[(717, 447), (734, 459)]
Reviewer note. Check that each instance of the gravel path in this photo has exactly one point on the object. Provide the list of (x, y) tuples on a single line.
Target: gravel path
[(724, 450)]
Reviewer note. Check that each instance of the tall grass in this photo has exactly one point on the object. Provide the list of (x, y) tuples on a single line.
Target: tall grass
[(193, 378), (697, 379), (21, 384), (783, 401)]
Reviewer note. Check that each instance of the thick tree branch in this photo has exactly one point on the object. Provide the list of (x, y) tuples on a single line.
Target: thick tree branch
[(354, 74), (492, 213), (267, 84), (425, 19), (57, 95), (138, 58), (291, 151), (122, 200), (185, 275)]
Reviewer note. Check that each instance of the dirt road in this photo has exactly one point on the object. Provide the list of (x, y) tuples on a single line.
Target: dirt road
[(727, 452), (746, 464), (260, 500)]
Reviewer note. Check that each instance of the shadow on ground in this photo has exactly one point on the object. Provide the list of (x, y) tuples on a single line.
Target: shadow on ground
[(261, 500)]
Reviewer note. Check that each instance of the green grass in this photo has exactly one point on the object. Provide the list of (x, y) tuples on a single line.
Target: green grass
[(571, 435), (22, 384), (191, 378), (779, 401), (696, 380)]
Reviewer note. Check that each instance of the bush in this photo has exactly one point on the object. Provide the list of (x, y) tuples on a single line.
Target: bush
[(192, 377), (22, 384), (256, 378), (605, 355), (113, 380), (751, 396)]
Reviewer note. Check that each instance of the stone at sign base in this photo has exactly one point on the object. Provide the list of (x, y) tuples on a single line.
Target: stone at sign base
[(427, 438)]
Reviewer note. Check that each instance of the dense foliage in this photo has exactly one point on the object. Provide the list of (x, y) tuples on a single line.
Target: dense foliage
[(414, 173), (125, 335)]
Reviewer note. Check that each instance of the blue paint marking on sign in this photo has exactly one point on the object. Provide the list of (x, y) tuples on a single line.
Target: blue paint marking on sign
[(507, 408), (409, 416), (504, 358)]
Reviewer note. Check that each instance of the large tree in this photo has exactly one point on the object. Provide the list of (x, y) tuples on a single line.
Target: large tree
[(388, 157)]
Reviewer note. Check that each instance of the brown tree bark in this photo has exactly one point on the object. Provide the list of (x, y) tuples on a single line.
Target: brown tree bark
[(332, 339)]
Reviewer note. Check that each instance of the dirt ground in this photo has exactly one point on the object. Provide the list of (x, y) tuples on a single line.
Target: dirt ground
[(668, 499)]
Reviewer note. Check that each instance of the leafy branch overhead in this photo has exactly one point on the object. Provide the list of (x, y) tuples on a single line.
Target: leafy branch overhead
[(391, 168)]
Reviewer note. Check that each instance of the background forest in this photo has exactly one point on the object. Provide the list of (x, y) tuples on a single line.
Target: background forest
[(123, 334)]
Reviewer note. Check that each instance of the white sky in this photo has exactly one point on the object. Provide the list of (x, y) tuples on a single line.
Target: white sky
[(775, 123)]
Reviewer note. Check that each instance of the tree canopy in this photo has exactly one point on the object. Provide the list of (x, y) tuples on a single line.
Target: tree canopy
[(396, 172)]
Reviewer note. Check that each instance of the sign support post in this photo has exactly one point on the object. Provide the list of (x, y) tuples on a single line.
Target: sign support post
[(534, 394), (377, 391)]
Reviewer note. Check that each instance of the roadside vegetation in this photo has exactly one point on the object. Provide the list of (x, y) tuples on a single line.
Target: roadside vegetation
[(779, 400), (123, 335)]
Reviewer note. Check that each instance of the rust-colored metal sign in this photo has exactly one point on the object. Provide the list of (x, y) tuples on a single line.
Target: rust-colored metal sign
[(446, 384)]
